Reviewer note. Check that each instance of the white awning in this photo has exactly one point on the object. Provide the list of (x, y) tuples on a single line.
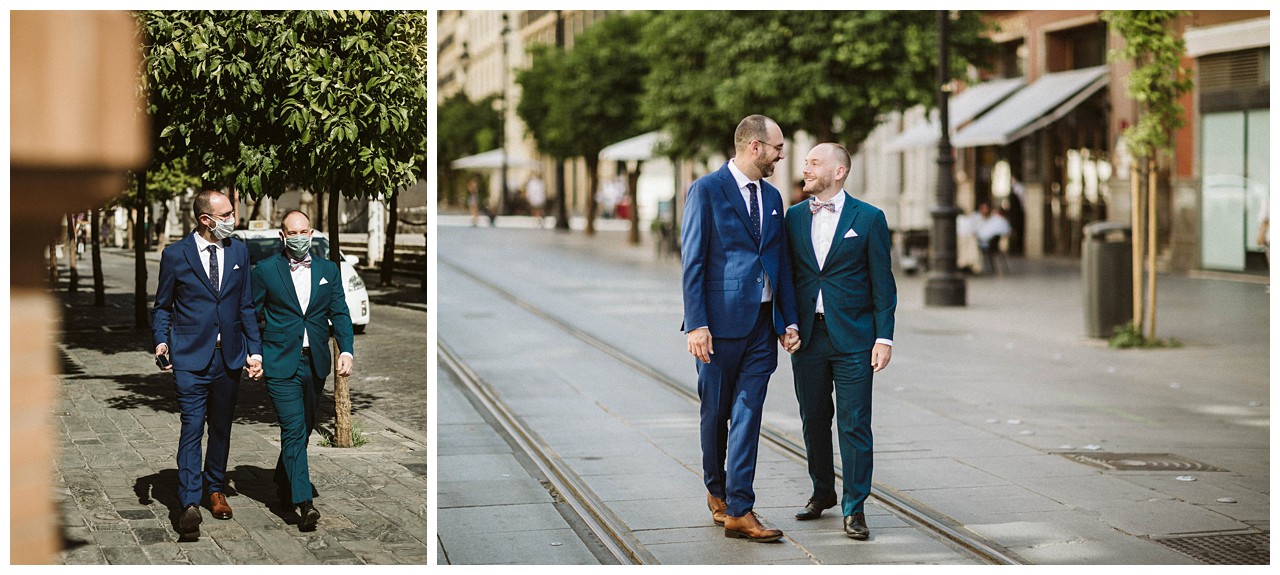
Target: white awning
[(492, 160), (962, 108), (642, 147), (1036, 106)]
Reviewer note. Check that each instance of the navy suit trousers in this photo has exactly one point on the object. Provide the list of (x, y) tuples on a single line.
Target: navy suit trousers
[(818, 367), (732, 390), (206, 396)]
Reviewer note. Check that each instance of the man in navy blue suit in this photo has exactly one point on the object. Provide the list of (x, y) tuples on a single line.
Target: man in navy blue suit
[(204, 321), (737, 293), (846, 298)]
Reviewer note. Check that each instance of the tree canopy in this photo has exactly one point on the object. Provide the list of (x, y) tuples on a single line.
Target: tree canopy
[(831, 74), (1158, 80)]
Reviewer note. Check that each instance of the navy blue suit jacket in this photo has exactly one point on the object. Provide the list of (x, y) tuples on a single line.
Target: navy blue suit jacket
[(189, 315), (859, 295), (724, 268)]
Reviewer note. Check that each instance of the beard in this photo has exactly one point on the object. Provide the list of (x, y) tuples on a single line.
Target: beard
[(817, 186), (766, 168)]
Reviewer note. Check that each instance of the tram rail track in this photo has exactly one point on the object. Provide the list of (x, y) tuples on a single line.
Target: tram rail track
[(610, 530)]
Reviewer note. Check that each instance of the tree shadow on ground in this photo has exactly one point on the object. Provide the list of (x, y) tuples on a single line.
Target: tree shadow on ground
[(108, 329), (161, 486), (155, 391)]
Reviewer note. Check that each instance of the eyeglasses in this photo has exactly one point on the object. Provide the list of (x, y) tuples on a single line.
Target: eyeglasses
[(777, 147), (221, 217)]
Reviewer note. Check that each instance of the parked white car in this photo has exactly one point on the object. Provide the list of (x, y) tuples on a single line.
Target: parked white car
[(266, 243)]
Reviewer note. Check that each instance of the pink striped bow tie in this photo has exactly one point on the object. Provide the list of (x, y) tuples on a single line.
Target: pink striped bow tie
[(295, 264)]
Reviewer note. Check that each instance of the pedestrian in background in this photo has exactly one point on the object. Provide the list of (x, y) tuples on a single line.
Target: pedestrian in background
[(846, 296), (299, 297), (737, 299), (536, 191), (205, 332)]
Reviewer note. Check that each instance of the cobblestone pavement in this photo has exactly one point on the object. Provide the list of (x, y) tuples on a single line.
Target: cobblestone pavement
[(117, 478)]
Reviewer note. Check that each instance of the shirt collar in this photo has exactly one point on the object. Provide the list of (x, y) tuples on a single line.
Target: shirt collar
[(837, 200), (203, 244), (741, 178)]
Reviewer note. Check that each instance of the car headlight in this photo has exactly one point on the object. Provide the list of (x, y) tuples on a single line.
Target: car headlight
[(355, 282)]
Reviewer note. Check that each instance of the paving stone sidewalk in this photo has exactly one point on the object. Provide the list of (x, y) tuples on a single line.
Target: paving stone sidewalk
[(116, 474)]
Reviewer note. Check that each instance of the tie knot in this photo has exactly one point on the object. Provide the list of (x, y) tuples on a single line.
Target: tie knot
[(816, 205), (212, 248), (751, 186)]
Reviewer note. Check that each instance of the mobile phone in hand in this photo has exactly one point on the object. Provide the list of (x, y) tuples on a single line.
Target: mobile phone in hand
[(162, 361)]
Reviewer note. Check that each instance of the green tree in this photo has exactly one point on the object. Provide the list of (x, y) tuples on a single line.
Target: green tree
[(464, 128), (575, 103), (1157, 82), (330, 101), (831, 74)]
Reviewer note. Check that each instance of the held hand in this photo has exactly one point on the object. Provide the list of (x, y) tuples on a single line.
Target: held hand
[(255, 368), (880, 355), (790, 340), (700, 344), (344, 365)]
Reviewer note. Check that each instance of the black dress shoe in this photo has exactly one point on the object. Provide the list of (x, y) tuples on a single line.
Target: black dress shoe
[(855, 526), (309, 516), (814, 508), (189, 523)]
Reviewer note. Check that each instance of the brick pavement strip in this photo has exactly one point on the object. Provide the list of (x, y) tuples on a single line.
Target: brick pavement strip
[(117, 480)]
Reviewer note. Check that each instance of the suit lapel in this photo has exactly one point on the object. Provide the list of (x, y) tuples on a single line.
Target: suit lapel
[(848, 215), (806, 240), (282, 267), (192, 252), (729, 188)]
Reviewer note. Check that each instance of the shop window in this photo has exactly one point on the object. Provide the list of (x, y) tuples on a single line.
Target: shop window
[(1075, 48)]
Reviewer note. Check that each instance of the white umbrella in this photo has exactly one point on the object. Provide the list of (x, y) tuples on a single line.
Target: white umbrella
[(641, 147), (492, 160)]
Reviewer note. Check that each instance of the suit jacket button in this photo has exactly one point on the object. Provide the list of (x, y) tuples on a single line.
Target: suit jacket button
[(758, 280)]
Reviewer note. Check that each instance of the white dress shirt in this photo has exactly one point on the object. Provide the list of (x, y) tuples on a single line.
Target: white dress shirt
[(766, 295), (302, 285), (823, 232), (202, 248)]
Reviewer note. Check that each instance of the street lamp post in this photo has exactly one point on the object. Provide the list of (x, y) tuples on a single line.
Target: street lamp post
[(945, 286), (504, 202)]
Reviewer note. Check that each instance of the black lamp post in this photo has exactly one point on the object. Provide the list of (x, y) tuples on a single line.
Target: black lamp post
[(945, 286), (504, 202)]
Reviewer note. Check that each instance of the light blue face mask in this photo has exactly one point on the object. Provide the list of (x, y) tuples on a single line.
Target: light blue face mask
[(298, 246), (223, 228)]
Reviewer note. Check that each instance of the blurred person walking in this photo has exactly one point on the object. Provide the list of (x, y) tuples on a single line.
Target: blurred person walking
[(205, 332), (299, 297), (845, 296), (737, 290)]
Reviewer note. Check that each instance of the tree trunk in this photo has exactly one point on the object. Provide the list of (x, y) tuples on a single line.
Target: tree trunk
[(633, 181), (141, 320), (73, 266), (320, 210), (99, 285), (562, 199), (1135, 181), (593, 184), (341, 389), (1152, 180), (389, 246)]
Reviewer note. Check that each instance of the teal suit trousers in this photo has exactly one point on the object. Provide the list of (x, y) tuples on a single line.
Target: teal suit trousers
[(296, 400)]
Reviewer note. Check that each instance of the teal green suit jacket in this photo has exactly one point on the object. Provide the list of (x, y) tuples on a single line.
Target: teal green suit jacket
[(276, 300), (859, 296)]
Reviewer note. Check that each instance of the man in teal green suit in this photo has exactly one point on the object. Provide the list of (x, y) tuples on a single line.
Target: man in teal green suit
[(300, 297), (845, 300)]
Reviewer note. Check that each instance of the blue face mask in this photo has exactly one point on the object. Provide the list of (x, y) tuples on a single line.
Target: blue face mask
[(298, 246)]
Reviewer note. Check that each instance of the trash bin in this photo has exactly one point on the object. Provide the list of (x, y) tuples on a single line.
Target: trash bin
[(1107, 271)]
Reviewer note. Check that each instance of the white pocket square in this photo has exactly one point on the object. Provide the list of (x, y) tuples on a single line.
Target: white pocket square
[(238, 265), (851, 234), (324, 281), (775, 212)]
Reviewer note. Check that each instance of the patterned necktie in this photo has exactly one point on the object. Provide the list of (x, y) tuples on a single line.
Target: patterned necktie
[(213, 266), (295, 264), (755, 213), (815, 205)]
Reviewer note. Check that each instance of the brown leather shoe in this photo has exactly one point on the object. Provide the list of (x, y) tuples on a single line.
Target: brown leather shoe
[(218, 505), (717, 507), (748, 527)]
